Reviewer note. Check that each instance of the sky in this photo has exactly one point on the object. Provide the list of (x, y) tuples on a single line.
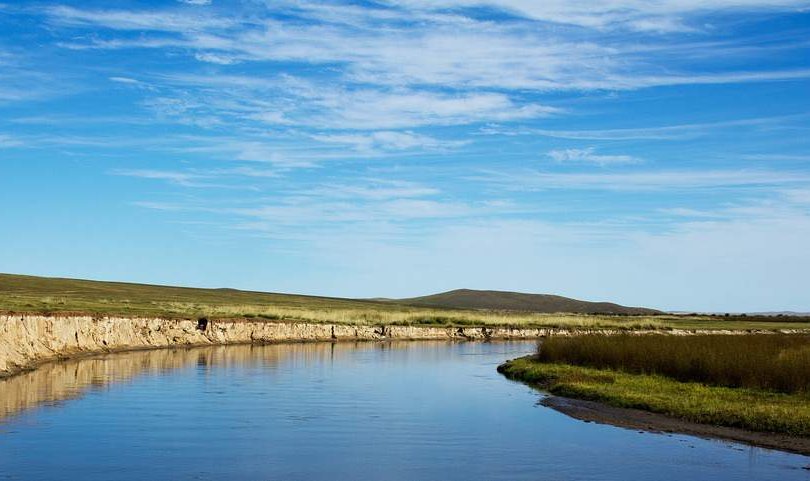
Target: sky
[(651, 153)]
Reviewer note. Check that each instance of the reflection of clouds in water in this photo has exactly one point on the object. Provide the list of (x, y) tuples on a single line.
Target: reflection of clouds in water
[(55, 382)]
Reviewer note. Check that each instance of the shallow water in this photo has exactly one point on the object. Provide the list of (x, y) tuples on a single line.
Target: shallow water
[(389, 411)]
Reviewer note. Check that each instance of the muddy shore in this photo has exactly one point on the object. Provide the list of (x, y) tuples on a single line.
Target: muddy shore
[(591, 411)]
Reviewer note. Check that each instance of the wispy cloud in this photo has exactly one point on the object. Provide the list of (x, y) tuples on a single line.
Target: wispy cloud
[(388, 140), (378, 189), (645, 181), (180, 178), (125, 80), (7, 141), (289, 100), (664, 132), (588, 155), (119, 19), (662, 16), (201, 178), (387, 45)]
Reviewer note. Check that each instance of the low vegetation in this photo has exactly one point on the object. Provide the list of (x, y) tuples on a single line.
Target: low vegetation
[(51, 295), (752, 409), (777, 362), (755, 382)]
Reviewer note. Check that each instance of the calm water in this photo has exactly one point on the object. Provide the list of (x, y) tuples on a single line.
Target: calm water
[(398, 411)]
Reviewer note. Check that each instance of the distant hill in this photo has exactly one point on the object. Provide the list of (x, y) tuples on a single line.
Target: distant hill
[(20, 293), (516, 301)]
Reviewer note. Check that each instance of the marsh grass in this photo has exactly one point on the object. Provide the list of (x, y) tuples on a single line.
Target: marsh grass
[(752, 409), (777, 362)]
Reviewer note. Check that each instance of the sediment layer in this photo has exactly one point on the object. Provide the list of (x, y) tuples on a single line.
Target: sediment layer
[(26, 340)]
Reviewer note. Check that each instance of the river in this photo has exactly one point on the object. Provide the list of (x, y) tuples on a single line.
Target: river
[(323, 411)]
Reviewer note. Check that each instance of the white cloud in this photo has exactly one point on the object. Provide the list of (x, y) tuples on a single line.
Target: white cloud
[(387, 140), (665, 132), (154, 20), (589, 156), (320, 213), (125, 80), (289, 100), (208, 178), (646, 180), (800, 197), (215, 58), (196, 2), (374, 109), (658, 16), (180, 178), (7, 141), (377, 190), (395, 47)]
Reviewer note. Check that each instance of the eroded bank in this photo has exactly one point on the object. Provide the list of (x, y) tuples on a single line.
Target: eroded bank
[(27, 340)]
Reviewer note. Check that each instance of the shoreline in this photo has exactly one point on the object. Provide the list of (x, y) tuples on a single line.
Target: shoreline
[(650, 422), (565, 398), (28, 339)]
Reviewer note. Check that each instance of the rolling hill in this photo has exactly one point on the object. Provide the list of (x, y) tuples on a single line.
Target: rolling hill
[(22, 293), (516, 301)]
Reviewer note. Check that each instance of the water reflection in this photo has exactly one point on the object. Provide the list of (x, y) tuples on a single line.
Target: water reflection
[(55, 382)]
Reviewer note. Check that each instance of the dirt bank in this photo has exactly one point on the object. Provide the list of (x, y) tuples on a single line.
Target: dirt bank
[(591, 411), (26, 340)]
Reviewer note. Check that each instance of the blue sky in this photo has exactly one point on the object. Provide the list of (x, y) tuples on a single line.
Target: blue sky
[(649, 153)]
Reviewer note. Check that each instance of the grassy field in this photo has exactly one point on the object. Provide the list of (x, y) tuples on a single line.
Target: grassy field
[(51, 295), (755, 382)]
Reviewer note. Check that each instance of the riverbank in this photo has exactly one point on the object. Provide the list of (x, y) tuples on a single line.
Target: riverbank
[(656, 403), (27, 340)]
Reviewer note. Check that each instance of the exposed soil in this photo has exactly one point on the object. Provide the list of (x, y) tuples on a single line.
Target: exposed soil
[(590, 411)]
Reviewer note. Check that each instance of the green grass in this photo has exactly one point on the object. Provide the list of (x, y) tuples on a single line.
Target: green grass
[(51, 295), (751, 409)]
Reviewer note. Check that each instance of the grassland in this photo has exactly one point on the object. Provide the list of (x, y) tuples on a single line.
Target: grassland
[(52, 295), (756, 382)]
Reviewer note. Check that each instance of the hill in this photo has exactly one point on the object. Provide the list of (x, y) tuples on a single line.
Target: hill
[(516, 301), (21, 293)]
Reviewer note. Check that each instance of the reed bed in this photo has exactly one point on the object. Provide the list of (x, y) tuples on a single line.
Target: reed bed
[(774, 362)]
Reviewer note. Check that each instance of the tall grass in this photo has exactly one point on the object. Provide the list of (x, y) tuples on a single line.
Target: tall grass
[(404, 315), (777, 362)]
